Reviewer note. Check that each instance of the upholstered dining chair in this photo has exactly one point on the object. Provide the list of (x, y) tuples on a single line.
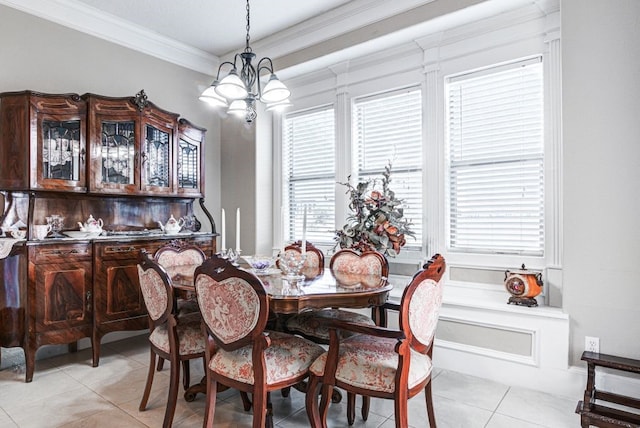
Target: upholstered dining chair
[(180, 258), (240, 353), (345, 261), (177, 339), (382, 362)]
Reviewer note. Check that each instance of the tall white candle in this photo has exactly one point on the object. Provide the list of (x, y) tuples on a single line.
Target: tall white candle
[(304, 231), (238, 230), (282, 228), (222, 233)]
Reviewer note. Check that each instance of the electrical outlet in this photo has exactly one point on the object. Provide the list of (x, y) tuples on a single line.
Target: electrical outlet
[(592, 344)]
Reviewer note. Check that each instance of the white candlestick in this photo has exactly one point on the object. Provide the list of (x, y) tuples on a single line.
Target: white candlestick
[(304, 231), (222, 227), (282, 228), (238, 230)]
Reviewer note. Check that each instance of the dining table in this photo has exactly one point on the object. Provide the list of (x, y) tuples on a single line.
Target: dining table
[(314, 289)]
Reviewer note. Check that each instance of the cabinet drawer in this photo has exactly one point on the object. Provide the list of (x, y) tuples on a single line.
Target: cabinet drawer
[(60, 253), (122, 251)]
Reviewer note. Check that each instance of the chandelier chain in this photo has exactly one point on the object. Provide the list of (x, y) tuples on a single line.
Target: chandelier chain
[(247, 47)]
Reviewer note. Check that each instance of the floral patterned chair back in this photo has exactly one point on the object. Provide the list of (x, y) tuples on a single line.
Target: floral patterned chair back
[(181, 259), (174, 255), (420, 305), (233, 303), (366, 263), (156, 290), (230, 306)]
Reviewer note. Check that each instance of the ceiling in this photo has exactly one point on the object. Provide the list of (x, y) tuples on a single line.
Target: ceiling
[(216, 27), (196, 34)]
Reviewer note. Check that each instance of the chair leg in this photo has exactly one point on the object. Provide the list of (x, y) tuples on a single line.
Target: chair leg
[(160, 364), (186, 374), (400, 409), (351, 408), (268, 422), (429, 397), (246, 402), (311, 402), (285, 391), (174, 381), (147, 388), (327, 392), (366, 403), (210, 409), (259, 407)]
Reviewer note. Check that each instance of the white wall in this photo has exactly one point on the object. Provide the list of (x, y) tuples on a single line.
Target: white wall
[(601, 122), (42, 56)]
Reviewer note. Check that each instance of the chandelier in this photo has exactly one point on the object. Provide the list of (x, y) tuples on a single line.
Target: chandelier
[(239, 90)]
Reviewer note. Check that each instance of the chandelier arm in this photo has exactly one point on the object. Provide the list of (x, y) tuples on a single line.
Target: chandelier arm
[(261, 67), (232, 64), (269, 67)]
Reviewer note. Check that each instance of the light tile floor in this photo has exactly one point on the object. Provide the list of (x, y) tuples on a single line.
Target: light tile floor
[(67, 392)]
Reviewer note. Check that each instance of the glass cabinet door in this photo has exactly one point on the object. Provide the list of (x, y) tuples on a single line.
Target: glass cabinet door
[(118, 152), (188, 162), (58, 138), (156, 159), (62, 153), (189, 158)]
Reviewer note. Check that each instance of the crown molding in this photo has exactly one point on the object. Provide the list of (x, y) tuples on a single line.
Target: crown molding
[(105, 26), (348, 17)]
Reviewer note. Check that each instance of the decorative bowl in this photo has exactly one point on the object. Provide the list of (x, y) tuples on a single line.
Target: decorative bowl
[(260, 264)]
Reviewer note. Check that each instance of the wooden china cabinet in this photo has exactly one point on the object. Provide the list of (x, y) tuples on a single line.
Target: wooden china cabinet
[(123, 160)]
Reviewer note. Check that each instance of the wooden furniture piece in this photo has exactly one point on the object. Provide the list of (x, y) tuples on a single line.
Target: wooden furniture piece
[(325, 290), (348, 265), (287, 298), (602, 415), (60, 294), (42, 141), (179, 256), (235, 309), (123, 160), (97, 144), (381, 362), (178, 339)]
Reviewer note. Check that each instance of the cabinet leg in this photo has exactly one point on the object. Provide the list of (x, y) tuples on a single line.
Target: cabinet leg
[(72, 347), (95, 347), (30, 362)]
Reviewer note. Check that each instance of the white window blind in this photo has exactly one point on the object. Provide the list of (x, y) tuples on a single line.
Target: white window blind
[(496, 160), (309, 175), (388, 128)]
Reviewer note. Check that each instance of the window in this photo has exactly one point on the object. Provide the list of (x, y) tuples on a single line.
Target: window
[(309, 175), (495, 160), (388, 128)]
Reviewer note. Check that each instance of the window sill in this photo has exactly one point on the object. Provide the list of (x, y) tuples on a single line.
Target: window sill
[(479, 298)]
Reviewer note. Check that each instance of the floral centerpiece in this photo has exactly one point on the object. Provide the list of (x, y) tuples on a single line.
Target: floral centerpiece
[(377, 221)]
